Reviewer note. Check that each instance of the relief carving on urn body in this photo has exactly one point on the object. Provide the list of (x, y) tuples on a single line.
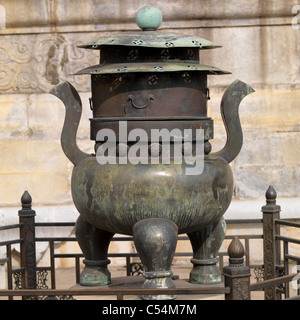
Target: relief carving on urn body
[(151, 80)]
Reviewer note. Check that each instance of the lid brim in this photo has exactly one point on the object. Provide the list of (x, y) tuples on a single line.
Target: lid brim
[(152, 39), (150, 67)]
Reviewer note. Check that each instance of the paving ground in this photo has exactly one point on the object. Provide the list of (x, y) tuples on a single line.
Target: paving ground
[(65, 278)]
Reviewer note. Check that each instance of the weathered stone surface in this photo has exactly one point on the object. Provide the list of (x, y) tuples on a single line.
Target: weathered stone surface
[(257, 55), (45, 188), (253, 180), (46, 116), (266, 147), (37, 62), (13, 114), (20, 157), (62, 15)]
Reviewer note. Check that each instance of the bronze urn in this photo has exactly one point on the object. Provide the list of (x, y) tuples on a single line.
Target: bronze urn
[(151, 80)]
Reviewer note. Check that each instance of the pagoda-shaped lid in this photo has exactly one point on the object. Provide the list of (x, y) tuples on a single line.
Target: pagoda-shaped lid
[(149, 20), (149, 50)]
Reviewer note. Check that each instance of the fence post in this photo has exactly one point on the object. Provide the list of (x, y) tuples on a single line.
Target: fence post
[(236, 274), (27, 234), (271, 212)]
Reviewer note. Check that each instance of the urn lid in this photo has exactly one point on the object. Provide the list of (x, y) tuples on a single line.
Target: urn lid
[(148, 50), (149, 20)]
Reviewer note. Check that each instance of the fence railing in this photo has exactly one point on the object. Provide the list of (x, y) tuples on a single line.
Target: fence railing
[(287, 256), (273, 277)]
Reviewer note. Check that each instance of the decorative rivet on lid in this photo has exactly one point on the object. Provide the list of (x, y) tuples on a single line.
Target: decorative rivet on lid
[(196, 43), (170, 44), (122, 69), (148, 18), (138, 42)]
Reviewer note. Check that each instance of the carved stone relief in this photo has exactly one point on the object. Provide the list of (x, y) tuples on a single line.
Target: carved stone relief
[(36, 63)]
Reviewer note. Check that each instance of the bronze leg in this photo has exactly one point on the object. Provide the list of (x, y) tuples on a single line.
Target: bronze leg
[(94, 245), (206, 244), (155, 240)]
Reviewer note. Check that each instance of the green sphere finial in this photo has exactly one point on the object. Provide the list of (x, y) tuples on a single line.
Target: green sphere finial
[(148, 18)]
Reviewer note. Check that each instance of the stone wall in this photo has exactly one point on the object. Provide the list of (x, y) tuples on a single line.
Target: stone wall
[(38, 49)]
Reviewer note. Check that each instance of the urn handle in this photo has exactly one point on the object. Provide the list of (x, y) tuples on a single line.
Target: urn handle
[(134, 103), (231, 100), (71, 99)]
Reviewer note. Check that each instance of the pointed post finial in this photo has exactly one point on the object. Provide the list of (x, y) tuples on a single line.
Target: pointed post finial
[(236, 252), (26, 200), (270, 205), (271, 195), (237, 275), (236, 248)]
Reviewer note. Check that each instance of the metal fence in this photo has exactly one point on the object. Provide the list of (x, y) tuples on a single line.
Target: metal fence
[(31, 281)]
